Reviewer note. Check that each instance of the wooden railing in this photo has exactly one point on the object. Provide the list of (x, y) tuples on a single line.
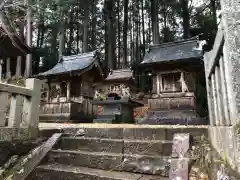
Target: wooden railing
[(19, 106)]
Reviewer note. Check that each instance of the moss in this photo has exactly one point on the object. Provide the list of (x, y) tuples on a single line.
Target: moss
[(15, 81), (237, 128)]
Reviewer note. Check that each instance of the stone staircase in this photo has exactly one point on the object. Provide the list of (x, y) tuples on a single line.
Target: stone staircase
[(111, 154)]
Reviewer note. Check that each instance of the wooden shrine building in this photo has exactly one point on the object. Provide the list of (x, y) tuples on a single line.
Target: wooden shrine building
[(69, 88), (12, 48), (177, 71)]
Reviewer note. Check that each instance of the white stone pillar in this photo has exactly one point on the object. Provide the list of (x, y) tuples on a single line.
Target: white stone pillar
[(224, 93), (219, 96), (214, 100), (8, 68), (19, 67)]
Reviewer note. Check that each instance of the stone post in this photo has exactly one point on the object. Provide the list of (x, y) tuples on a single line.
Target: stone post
[(209, 92), (68, 90), (214, 100), (219, 96), (224, 93), (1, 64), (19, 67), (8, 68), (158, 84), (231, 26)]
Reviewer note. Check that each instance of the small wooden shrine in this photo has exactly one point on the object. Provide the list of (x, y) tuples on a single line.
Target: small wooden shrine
[(12, 48), (177, 71), (114, 96), (68, 90)]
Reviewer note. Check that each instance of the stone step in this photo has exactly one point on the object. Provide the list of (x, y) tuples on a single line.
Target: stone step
[(145, 147), (155, 165), (63, 172), (140, 132)]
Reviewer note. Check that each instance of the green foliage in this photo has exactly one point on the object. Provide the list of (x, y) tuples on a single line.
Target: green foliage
[(237, 128)]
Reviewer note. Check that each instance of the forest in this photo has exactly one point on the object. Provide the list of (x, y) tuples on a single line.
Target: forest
[(122, 30)]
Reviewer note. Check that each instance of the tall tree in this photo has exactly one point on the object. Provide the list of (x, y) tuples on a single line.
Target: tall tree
[(28, 69), (155, 21), (125, 33)]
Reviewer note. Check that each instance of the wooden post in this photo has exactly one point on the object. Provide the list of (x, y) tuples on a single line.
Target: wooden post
[(8, 68), (31, 104), (15, 113), (3, 107)]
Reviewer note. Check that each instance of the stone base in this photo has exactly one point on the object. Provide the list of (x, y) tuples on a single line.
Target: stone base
[(171, 117)]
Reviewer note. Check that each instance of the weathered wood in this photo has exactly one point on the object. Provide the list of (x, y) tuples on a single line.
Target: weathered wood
[(16, 109), (31, 105), (3, 107), (28, 163), (8, 68), (15, 89)]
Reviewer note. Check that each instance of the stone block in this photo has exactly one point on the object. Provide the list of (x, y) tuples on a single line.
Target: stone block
[(180, 145), (91, 144), (179, 169), (101, 160), (146, 165), (144, 133), (149, 147)]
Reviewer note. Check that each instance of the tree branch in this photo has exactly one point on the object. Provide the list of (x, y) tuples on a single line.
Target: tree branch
[(4, 2)]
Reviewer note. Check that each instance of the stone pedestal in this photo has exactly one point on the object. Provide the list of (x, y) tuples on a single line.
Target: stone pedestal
[(116, 111)]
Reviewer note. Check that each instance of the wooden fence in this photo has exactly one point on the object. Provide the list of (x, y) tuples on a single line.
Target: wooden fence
[(19, 106)]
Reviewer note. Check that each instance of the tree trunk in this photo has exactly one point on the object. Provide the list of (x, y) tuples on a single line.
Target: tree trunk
[(28, 68), (143, 28), (85, 29), (186, 18), (62, 37), (214, 12), (71, 38), (125, 34), (119, 35), (154, 18), (94, 24), (111, 31)]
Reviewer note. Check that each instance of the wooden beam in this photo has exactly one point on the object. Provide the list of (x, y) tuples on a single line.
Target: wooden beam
[(28, 163)]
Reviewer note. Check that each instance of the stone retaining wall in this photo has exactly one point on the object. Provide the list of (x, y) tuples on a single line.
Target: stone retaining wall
[(227, 143)]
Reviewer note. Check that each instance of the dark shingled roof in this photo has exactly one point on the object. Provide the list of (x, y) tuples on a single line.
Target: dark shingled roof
[(10, 43), (72, 63), (179, 50), (120, 74)]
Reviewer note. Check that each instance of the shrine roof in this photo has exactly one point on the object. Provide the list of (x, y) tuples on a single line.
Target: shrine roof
[(178, 50), (11, 44), (73, 63), (120, 74)]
